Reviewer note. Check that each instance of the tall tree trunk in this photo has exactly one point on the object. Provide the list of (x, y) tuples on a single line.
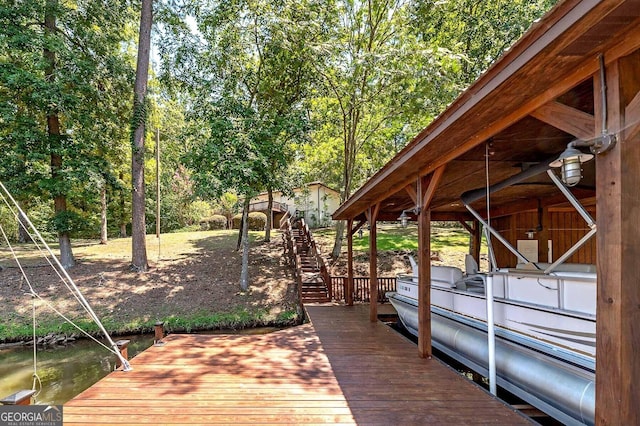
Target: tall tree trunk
[(123, 214), (243, 223), (350, 151), (244, 275), (53, 132), (23, 229), (337, 244), (138, 225), (103, 214), (267, 229), (60, 200), (340, 225)]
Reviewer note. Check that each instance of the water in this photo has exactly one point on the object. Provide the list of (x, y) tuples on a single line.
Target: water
[(64, 371)]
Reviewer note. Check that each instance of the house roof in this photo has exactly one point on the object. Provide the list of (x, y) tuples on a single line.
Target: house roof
[(524, 110)]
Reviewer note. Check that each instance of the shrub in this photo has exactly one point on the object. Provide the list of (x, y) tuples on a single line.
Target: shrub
[(257, 221), (217, 221), (236, 221)]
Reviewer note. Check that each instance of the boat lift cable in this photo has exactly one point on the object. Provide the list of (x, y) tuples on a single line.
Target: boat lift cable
[(34, 295), (36, 378), (64, 276), (470, 196), (492, 255), (35, 242), (476, 194), (19, 220)]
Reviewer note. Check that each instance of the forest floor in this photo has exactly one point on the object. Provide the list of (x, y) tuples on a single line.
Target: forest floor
[(193, 284)]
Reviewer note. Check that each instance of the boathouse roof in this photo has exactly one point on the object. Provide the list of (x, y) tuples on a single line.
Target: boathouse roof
[(539, 96)]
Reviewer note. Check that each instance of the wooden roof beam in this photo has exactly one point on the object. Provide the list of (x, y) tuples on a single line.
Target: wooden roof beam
[(358, 226), (570, 120), (412, 193), (633, 110), (433, 184)]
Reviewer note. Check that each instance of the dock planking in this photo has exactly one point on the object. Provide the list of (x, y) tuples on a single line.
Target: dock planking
[(338, 369)]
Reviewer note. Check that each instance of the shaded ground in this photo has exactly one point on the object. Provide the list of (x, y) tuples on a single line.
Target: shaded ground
[(201, 281), (390, 264)]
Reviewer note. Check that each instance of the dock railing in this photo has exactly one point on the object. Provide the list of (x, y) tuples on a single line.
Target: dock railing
[(361, 288)]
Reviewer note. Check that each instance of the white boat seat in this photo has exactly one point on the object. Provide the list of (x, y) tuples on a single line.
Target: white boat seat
[(473, 283), (445, 276), (470, 265)]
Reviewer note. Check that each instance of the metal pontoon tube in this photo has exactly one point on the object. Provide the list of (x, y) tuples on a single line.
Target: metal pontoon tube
[(564, 391)]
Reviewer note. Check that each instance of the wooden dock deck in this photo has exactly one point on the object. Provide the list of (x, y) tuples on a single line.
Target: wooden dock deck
[(338, 369)]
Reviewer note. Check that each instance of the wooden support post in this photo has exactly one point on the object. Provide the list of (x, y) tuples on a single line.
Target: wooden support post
[(22, 397), (424, 284), (424, 261), (348, 297), (122, 347), (159, 333), (618, 239), (372, 215)]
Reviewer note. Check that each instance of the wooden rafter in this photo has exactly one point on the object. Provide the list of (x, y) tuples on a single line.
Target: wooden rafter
[(633, 110), (570, 120), (431, 188), (412, 193), (358, 226), (465, 225), (372, 213)]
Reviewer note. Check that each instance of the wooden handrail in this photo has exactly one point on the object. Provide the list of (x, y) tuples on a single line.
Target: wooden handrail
[(361, 288), (310, 247)]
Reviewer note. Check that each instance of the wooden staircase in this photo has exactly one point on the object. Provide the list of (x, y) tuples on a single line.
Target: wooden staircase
[(311, 272)]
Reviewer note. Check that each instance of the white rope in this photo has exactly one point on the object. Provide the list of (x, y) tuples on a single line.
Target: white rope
[(35, 295), (36, 378), (35, 242), (62, 274)]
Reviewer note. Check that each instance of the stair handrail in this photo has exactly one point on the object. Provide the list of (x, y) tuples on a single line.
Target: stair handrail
[(315, 251), (293, 256), (285, 220)]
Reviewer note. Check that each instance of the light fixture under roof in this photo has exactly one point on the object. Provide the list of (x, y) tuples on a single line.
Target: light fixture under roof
[(570, 163), (404, 217)]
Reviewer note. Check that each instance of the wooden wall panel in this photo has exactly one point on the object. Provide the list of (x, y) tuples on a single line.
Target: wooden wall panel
[(564, 229)]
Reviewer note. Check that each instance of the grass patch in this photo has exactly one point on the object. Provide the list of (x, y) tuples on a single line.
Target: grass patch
[(238, 319), (16, 331), (170, 246), (393, 237)]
